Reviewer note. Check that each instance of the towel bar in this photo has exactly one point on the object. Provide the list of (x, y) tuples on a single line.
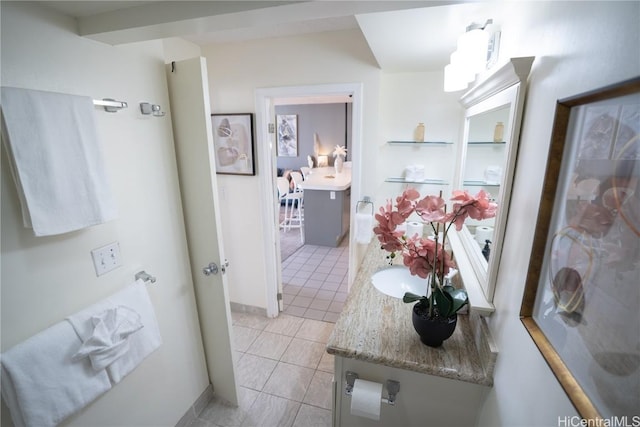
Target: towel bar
[(110, 105), (144, 276), (366, 201)]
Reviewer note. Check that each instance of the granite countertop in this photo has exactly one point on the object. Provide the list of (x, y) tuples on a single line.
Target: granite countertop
[(377, 328), (326, 178)]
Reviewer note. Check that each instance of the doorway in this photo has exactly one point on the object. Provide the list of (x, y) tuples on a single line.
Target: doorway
[(266, 99), (314, 269)]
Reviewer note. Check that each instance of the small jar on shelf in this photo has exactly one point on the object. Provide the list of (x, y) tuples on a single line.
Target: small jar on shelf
[(419, 133)]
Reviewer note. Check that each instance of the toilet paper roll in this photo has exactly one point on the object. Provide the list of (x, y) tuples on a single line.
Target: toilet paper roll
[(414, 227), (366, 399), (484, 233)]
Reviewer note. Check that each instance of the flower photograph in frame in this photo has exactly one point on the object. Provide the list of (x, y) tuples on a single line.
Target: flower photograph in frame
[(581, 302), (287, 134), (233, 143)]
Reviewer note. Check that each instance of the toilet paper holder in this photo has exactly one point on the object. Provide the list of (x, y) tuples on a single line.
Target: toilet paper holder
[(393, 387)]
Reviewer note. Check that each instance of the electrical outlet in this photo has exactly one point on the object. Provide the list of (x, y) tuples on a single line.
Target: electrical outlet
[(106, 258)]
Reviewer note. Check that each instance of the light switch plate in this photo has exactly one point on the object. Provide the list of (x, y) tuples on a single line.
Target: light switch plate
[(106, 258)]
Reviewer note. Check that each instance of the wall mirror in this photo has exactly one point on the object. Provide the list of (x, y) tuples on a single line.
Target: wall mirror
[(486, 161)]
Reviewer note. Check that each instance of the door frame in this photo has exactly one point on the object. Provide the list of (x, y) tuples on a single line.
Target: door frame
[(267, 172)]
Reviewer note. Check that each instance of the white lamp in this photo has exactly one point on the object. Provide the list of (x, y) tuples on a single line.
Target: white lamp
[(471, 56), (454, 78), (473, 46), (323, 161)]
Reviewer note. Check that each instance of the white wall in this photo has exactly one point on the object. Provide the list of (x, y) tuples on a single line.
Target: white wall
[(405, 100), (235, 71), (328, 121), (579, 46), (45, 279)]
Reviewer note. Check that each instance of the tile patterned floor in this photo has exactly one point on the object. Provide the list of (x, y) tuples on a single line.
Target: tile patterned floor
[(284, 373), (314, 277), (315, 281)]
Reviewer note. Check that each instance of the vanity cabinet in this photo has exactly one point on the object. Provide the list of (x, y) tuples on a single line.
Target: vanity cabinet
[(374, 337), (423, 400)]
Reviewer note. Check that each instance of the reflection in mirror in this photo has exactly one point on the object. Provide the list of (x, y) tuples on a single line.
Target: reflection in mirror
[(484, 165), (486, 161)]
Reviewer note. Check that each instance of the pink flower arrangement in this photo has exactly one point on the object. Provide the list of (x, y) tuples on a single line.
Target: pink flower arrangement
[(427, 257)]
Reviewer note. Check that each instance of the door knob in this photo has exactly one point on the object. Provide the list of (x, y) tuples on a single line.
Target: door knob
[(212, 268)]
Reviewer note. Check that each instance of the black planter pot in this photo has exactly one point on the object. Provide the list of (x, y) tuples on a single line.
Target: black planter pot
[(432, 331)]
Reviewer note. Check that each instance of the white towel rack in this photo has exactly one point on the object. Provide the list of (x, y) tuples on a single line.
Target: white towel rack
[(110, 105), (146, 277)]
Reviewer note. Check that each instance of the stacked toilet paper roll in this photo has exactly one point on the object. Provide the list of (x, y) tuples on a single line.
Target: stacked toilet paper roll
[(366, 399), (414, 227), (484, 233)]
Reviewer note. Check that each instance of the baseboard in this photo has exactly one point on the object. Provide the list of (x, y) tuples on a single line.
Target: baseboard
[(241, 308), (198, 406)]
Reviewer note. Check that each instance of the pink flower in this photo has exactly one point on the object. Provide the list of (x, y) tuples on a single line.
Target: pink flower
[(405, 202), (388, 220), (425, 256), (478, 207), (431, 208)]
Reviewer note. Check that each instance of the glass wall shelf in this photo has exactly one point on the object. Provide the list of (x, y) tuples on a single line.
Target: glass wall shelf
[(486, 143), (420, 143), (422, 181), (479, 184)]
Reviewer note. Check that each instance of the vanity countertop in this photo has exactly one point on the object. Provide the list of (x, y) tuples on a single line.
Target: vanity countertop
[(377, 328), (326, 178)]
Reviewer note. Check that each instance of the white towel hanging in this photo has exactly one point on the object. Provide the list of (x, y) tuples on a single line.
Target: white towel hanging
[(42, 385), (56, 160), (141, 343)]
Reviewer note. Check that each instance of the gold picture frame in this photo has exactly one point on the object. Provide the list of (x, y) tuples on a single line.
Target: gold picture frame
[(581, 301)]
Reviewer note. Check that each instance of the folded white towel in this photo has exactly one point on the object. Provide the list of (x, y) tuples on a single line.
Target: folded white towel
[(364, 227), (42, 385), (56, 160), (110, 338), (141, 343)]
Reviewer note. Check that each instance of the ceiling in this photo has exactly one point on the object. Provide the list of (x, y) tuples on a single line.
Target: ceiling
[(402, 35)]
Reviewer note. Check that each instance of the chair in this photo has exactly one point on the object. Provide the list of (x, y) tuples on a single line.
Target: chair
[(293, 217), (297, 180), (305, 172)]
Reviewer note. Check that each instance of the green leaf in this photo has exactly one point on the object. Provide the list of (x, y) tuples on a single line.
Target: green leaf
[(458, 296), (410, 297), (444, 302)]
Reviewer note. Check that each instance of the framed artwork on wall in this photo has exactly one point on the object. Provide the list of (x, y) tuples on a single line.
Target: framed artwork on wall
[(233, 143), (287, 135), (581, 303)]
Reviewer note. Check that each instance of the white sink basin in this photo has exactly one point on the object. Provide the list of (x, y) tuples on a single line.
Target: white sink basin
[(396, 280)]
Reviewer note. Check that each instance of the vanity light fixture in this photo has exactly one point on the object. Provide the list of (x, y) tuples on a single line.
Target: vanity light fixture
[(477, 50)]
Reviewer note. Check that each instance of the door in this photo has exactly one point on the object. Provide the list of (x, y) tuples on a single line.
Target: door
[(191, 117), (271, 138)]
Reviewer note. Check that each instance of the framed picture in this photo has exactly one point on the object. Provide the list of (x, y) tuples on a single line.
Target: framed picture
[(287, 125), (581, 303), (233, 143)]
